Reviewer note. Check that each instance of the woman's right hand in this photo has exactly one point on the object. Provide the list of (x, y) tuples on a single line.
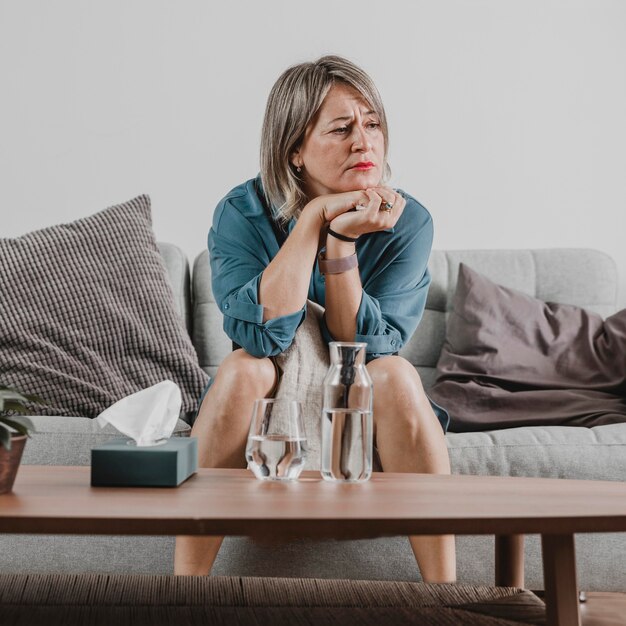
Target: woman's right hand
[(328, 207)]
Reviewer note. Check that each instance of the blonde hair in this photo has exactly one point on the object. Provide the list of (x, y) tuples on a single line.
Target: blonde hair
[(293, 102)]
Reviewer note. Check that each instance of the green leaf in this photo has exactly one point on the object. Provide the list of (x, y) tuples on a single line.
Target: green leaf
[(14, 406), (18, 425), (5, 437), (14, 401), (11, 394), (31, 397), (27, 423)]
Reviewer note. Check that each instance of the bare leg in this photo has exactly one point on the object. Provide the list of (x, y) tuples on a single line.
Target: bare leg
[(222, 429), (409, 438)]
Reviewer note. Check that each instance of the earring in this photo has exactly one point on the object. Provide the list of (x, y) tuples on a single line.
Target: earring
[(298, 169)]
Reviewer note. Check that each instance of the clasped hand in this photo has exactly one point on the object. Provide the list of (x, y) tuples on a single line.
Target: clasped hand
[(355, 213)]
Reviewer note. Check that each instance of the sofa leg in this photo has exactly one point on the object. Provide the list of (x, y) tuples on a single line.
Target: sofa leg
[(510, 561)]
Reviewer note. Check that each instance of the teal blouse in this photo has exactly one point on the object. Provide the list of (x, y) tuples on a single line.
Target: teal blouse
[(393, 266)]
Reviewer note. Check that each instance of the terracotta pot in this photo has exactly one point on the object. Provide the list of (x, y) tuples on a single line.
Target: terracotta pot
[(10, 461)]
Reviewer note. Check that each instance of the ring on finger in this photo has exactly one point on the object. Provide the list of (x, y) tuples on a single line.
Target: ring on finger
[(386, 206)]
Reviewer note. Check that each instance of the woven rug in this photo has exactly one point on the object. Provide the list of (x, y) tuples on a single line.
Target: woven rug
[(104, 600)]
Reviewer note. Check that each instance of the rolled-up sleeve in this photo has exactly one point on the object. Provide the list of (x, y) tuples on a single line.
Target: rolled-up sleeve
[(395, 287), (238, 257)]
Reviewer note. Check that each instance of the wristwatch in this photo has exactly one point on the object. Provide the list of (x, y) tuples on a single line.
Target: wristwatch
[(337, 266)]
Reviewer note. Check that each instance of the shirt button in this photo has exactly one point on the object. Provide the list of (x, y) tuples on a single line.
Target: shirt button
[(227, 306), (393, 342)]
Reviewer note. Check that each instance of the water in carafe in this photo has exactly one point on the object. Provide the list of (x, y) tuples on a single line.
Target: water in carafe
[(347, 430)]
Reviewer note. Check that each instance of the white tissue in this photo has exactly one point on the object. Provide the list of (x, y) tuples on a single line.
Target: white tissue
[(148, 416)]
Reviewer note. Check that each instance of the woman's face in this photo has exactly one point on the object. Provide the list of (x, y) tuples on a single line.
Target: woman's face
[(343, 147)]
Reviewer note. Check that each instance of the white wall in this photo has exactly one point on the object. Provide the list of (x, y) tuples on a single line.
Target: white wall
[(507, 117)]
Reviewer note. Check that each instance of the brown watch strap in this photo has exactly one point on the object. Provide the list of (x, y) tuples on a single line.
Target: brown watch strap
[(337, 266)]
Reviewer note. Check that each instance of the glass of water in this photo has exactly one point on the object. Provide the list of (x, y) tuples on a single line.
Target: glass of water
[(276, 447)]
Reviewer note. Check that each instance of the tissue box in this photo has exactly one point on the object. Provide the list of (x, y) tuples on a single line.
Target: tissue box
[(117, 464)]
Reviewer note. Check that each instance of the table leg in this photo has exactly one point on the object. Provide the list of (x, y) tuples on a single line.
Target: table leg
[(559, 575), (510, 561)]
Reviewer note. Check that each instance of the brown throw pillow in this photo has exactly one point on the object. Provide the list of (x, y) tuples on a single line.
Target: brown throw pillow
[(87, 315), (512, 360)]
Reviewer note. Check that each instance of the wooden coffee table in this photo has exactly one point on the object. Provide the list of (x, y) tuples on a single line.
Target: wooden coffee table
[(232, 502)]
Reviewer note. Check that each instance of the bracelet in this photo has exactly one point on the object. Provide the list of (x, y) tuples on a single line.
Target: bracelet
[(342, 237), (337, 266)]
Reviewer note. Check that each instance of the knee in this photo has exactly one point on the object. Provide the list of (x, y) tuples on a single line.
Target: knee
[(246, 374), (393, 375), (399, 395)]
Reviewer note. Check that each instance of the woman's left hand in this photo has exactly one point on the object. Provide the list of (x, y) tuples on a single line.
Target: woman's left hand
[(377, 215)]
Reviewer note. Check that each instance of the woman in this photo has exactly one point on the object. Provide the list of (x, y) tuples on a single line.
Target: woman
[(319, 223)]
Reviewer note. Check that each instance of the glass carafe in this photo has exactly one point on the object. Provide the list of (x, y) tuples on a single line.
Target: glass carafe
[(347, 430)]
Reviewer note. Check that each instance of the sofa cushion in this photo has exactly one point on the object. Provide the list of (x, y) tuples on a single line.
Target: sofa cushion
[(179, 278), (68, 440), (87, 315), (597, 453), (512, 360)]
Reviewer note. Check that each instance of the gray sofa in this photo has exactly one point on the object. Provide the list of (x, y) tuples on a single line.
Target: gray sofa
[(582, 277)]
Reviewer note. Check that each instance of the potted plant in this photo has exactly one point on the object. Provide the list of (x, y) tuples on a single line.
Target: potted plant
[(14, 430)]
